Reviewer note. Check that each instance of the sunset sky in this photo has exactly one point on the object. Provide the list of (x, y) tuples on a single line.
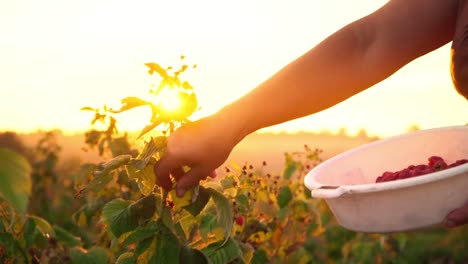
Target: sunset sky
[(57, 56)]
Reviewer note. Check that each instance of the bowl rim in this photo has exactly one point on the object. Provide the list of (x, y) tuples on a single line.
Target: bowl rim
[(336, 191)]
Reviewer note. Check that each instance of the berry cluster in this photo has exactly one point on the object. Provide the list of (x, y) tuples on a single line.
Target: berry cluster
[(435, 163)]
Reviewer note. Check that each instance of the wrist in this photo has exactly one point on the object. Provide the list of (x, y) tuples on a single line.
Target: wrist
[(235, 122)]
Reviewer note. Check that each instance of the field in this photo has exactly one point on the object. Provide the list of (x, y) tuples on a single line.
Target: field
[(279, 223)]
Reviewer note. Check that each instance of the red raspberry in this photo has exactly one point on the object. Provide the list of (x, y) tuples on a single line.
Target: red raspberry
[(240, 220), (434, 159), (458, 162)]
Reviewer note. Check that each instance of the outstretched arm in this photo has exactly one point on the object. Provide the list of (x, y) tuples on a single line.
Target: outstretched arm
[(346, 63)]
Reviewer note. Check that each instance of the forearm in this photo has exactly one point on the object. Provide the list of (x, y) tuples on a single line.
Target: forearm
[(331, 72)]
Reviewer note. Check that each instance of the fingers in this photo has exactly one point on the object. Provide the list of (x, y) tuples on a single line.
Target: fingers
[(163, 169), (191, 179), (457, 217)]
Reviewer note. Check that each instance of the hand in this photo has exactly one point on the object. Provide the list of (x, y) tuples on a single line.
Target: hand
[(203, 146), (457, 217)]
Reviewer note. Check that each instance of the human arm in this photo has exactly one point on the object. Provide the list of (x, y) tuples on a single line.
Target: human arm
[(351, 60)]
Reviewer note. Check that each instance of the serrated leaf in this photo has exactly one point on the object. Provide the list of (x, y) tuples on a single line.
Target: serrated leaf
[(15, 179), (194, 208), (124, 216), (223, 252), (284, 196), (98, 183), (167, 246), (102, 178), (155, 145), (225, 215), (140, 233), (207, 224), (65, 237), (95, 255), (145, 179), (192, 256)]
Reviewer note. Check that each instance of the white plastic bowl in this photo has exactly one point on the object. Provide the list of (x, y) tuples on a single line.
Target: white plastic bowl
[(347, 182)]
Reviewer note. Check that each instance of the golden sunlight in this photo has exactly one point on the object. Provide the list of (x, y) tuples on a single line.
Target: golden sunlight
[(169, 100)]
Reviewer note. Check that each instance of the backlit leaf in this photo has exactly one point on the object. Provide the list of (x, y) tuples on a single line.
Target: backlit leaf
[(124, 216), (284, 196), (42, 225), (223, 252), (167, 246), (154, 67), (15, 181), (225, 215), (130, 103), (202, 199), (140, 233)]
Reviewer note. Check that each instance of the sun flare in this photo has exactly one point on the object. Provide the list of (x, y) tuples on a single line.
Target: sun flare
[(169, 100)]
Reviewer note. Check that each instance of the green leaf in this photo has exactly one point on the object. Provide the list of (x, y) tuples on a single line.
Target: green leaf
[(290, 167), (102, 178), (223, 252), (12, 247), (289, 170), (145, 178), (243, 203), (15, 181), (143, 246), (197, 206), (126, 258), (98, 182), (284, 196), (95, 255), (155, 145), (42, 225), (141, 233), (225, 215), (259, 257), (192, 256), (124, 216), (167, 246), (207, 224), (65, 237), (29, 232)]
